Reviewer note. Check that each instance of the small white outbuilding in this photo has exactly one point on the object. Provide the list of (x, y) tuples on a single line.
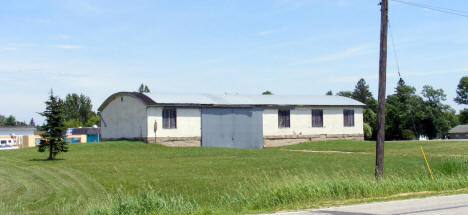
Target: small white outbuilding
[(240, 121)]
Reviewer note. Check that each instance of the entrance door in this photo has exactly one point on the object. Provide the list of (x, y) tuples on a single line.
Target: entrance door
[(232, 127)]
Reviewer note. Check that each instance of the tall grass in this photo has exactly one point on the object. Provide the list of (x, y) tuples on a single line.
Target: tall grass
[(453, 166), (147, 202), (292, 192)]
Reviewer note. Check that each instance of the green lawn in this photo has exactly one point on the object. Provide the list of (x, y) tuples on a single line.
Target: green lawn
[(133, 177)]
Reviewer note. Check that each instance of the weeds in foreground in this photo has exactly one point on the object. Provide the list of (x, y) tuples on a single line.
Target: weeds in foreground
[(303, 191), (453, 166)]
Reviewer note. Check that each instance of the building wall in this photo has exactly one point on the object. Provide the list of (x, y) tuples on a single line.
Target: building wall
[(301, 129), (458, 136), (188, 123), (124, 118), (301, 122)]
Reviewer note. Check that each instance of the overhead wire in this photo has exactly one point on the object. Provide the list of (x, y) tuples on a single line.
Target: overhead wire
[(394, 50), (435, 8)]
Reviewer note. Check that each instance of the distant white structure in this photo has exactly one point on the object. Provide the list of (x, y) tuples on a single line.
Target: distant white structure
[(423, 137), (12, 136)]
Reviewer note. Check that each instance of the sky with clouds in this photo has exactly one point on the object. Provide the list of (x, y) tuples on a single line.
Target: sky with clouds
[(220, 46)]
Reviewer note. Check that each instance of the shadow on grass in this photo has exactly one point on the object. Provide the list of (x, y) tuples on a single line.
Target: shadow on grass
[(45, 159)]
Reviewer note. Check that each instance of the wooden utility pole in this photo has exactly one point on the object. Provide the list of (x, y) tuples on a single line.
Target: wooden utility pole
[(379, 156)]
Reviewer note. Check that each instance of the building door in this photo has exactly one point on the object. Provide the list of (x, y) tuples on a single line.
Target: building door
[(232, 127)]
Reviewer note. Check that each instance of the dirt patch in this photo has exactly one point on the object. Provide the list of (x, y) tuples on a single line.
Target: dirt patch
[(313, 151)]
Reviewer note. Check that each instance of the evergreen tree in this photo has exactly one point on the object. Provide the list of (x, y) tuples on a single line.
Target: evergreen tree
[(141, 89), (362, 93), (32, 123), (147, 90), (329, 93), (267, 93), (462, 91), (463, 117), (53, 137)]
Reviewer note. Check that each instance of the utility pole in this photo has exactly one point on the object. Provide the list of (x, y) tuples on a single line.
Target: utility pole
[(379, 156)]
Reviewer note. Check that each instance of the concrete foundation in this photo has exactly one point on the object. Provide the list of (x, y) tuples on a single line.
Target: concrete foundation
[(268, 141)]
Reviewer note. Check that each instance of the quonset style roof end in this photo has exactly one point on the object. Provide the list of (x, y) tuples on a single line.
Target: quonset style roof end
[(156, 99)]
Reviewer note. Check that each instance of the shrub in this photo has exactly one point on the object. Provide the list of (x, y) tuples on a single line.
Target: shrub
[(407, 134), (367, 131)]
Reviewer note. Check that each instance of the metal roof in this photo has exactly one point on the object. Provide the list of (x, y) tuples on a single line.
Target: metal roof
[(459, 129), (236, 99), (14, 128), (158, 99)]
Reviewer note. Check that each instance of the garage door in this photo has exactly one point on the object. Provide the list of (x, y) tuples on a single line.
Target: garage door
[(232, 127)]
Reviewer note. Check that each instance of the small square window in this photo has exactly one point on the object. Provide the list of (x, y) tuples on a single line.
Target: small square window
[(348, 117), (317, 118), (283, 119), (169, 118)]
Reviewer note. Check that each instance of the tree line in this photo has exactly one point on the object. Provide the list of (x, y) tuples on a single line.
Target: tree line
[(11, 121), (77, 112), (409, 115)]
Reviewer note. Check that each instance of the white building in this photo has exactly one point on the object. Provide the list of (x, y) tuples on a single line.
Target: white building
[(244, 121), (12, 135)]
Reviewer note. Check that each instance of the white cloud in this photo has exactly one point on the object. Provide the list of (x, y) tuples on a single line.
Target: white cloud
[(349, 52), (62, 36), (67, 46), (16, 46), (272, 31)]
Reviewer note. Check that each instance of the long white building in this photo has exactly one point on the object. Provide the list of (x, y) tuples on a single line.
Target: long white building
[(241, 121)]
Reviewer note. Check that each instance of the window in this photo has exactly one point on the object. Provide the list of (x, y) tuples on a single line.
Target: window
[(317, 118), (3, 142), (283, 119), (169, 118), (348, 116)]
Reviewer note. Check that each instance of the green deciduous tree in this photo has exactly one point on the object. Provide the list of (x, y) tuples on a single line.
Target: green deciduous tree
[(53, 138), (329, 93), (403, 111), (94, 120), (10, 121), (267, 92), (348, 94), (439, 118), (78, 110)]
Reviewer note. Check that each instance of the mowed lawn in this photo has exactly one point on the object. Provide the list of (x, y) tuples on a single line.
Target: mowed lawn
[(113, 177)]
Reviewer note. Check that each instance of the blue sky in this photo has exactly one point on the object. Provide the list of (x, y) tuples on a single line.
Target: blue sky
[(285, 46)]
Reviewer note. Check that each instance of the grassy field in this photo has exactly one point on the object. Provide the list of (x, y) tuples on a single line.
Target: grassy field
[(135, 178)]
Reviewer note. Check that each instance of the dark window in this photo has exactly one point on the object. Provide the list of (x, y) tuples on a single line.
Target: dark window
[(348, 118), (317, 118), (3, 141), (283, 119), (169, 118)]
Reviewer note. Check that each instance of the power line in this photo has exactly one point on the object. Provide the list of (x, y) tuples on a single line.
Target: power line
[(394, 50), (435, 8)]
